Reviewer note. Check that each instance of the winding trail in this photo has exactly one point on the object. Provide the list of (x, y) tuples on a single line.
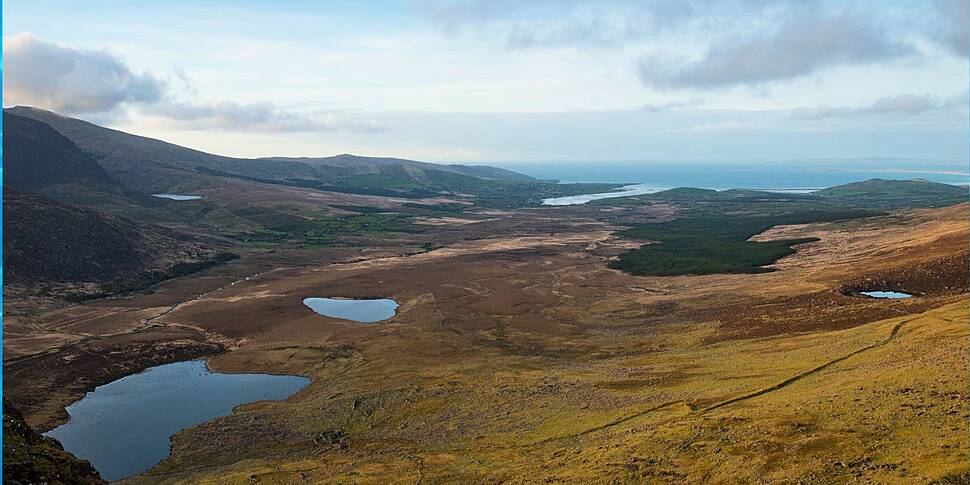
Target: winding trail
[(760, 392), (149, 321), (814, 370)]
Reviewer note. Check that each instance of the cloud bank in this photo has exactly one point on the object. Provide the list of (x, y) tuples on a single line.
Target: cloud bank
[(69, 80), (258, 116), (898, 106), (95, 82), (804, 37), (955, 34)]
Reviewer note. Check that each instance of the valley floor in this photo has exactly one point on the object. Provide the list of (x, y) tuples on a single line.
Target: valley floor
[(520, 357)]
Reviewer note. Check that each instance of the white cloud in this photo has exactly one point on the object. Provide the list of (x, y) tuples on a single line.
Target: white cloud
[(100, 85), (70, 80), (257, 116)]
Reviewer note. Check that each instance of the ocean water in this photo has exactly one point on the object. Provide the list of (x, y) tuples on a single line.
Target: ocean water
[(766, 175)]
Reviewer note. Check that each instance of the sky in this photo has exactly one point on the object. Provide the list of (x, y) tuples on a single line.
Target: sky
[(506, 80)]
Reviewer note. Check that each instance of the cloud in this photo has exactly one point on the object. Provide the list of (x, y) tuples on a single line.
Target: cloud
[(257, 116), (955, 33), (101, 86), (898, 106), (803, 36), (687, 103), (800, 47), (70, 80)]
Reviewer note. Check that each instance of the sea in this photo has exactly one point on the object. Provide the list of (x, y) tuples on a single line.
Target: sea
[(794, 176)]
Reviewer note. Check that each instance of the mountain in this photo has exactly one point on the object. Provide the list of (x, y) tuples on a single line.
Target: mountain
[(37, 158), (373, 165), (147, 165), (57, 250)]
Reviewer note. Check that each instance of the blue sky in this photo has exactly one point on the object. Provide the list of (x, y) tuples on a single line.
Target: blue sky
[(502, 80)]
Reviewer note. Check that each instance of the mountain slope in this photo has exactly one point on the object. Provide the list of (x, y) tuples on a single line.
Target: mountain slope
[(38, 159), (362, 164), (148, 165), (62, 251)]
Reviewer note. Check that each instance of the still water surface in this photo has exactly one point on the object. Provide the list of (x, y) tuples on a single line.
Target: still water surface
[(123, 427), (625, 191), (362, 311), (177, 196), (886, 294)]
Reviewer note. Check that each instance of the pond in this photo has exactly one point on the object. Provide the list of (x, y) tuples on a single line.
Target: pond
[(123, 427), (361, 311), (886, 294), (177, 196)]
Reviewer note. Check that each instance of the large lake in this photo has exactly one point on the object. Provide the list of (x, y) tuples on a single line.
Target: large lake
[(123, 427), (362, 311)]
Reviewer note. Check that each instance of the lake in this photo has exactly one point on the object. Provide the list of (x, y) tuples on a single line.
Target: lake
[(886, 294), (361, 311), (177, 196), (123, 427)]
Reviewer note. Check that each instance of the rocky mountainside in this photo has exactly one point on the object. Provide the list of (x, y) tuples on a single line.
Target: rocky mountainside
[(31, 458)]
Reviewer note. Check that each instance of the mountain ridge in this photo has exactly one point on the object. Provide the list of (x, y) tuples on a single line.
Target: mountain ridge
[(39, 159), (150, 165)]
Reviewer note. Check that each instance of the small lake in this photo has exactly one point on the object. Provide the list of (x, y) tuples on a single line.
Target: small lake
[(886, 294), (362, 311), (123, 427), (177, 196)]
